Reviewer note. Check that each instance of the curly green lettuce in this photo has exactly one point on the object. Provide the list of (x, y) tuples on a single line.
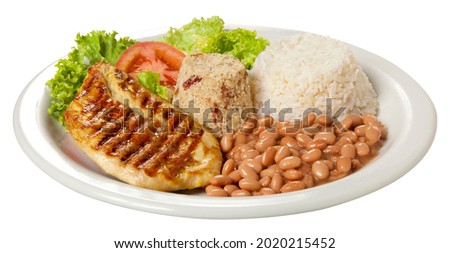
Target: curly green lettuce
[(150, 80), (71, 71), (209, 36)]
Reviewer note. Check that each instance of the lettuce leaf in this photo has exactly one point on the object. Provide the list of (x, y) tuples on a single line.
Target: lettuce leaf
[(240, 43), (150, 80), (71, 71), (209, 36), (194, 36)]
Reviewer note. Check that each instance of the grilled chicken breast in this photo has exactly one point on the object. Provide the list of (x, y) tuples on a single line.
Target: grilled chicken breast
[(138, 137)]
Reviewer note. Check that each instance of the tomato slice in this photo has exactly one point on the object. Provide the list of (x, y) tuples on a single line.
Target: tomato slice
[(153, 56)]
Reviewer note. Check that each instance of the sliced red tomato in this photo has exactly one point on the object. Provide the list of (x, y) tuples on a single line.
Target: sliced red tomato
[(153, 56)]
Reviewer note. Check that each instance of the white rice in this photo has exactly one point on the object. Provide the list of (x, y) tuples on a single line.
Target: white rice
[(303, 70)]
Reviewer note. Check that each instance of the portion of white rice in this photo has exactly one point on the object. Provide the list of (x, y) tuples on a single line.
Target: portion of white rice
[(303, 70)]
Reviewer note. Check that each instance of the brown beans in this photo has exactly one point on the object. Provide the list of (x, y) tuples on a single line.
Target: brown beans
[(220, 180), (266, 157), (293, 186), (348, 150), (246, 172), (290, 162), (292, 174), (303, 139), (264, 143), (277, 182), (320, 144), (215, 191), (249, 154), (226, 143), (265, 121), (362, 149), (312, 155), (283, 152), (249, 184), (290, 142), (372, 134), (240, 193), (228, 167), (330, 138), (320, 170), (343, 164), (370, 120)]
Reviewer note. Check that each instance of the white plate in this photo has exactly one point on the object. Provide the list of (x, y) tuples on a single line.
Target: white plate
[(405, 109)]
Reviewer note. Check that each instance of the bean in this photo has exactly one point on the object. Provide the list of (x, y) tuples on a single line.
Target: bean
[(344, 125), (228, 166), (235, 176), (320, 144), (289, 130), (311, 118), (258, 130), (369, 119), (308, 180), (348, 150), (277, 182), (265, 181), (312, 155), (252, 137), (270, 132), (220, 180), (324, 120), (329, 163), (290, 142), (292, 174), (243, 147), (345, 140), (240, 139), (240, 193), (249, 154), (295, 152), (269, 172), (265, 121), (351, 135), (246, 172), (230, 188), (282, 153), (330, 138), (248, 126), (267, 191), (254, 164), (343, 164), (332, 150), (360, 130), (215, 191), (226, 143), (264, 143), (303, 139), (290, 162), (293, 186), (249, 184), (268, 156), (356, 119), (372, 134), (320, 170), (356, 164), (362, 149)]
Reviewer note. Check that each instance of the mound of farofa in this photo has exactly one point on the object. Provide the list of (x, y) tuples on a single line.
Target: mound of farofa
[(303, 70)]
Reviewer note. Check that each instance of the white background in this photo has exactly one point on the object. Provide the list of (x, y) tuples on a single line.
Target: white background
[(39, 214)]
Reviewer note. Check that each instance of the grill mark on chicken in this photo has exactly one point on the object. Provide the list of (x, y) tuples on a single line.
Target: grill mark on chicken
[(155, 139)]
